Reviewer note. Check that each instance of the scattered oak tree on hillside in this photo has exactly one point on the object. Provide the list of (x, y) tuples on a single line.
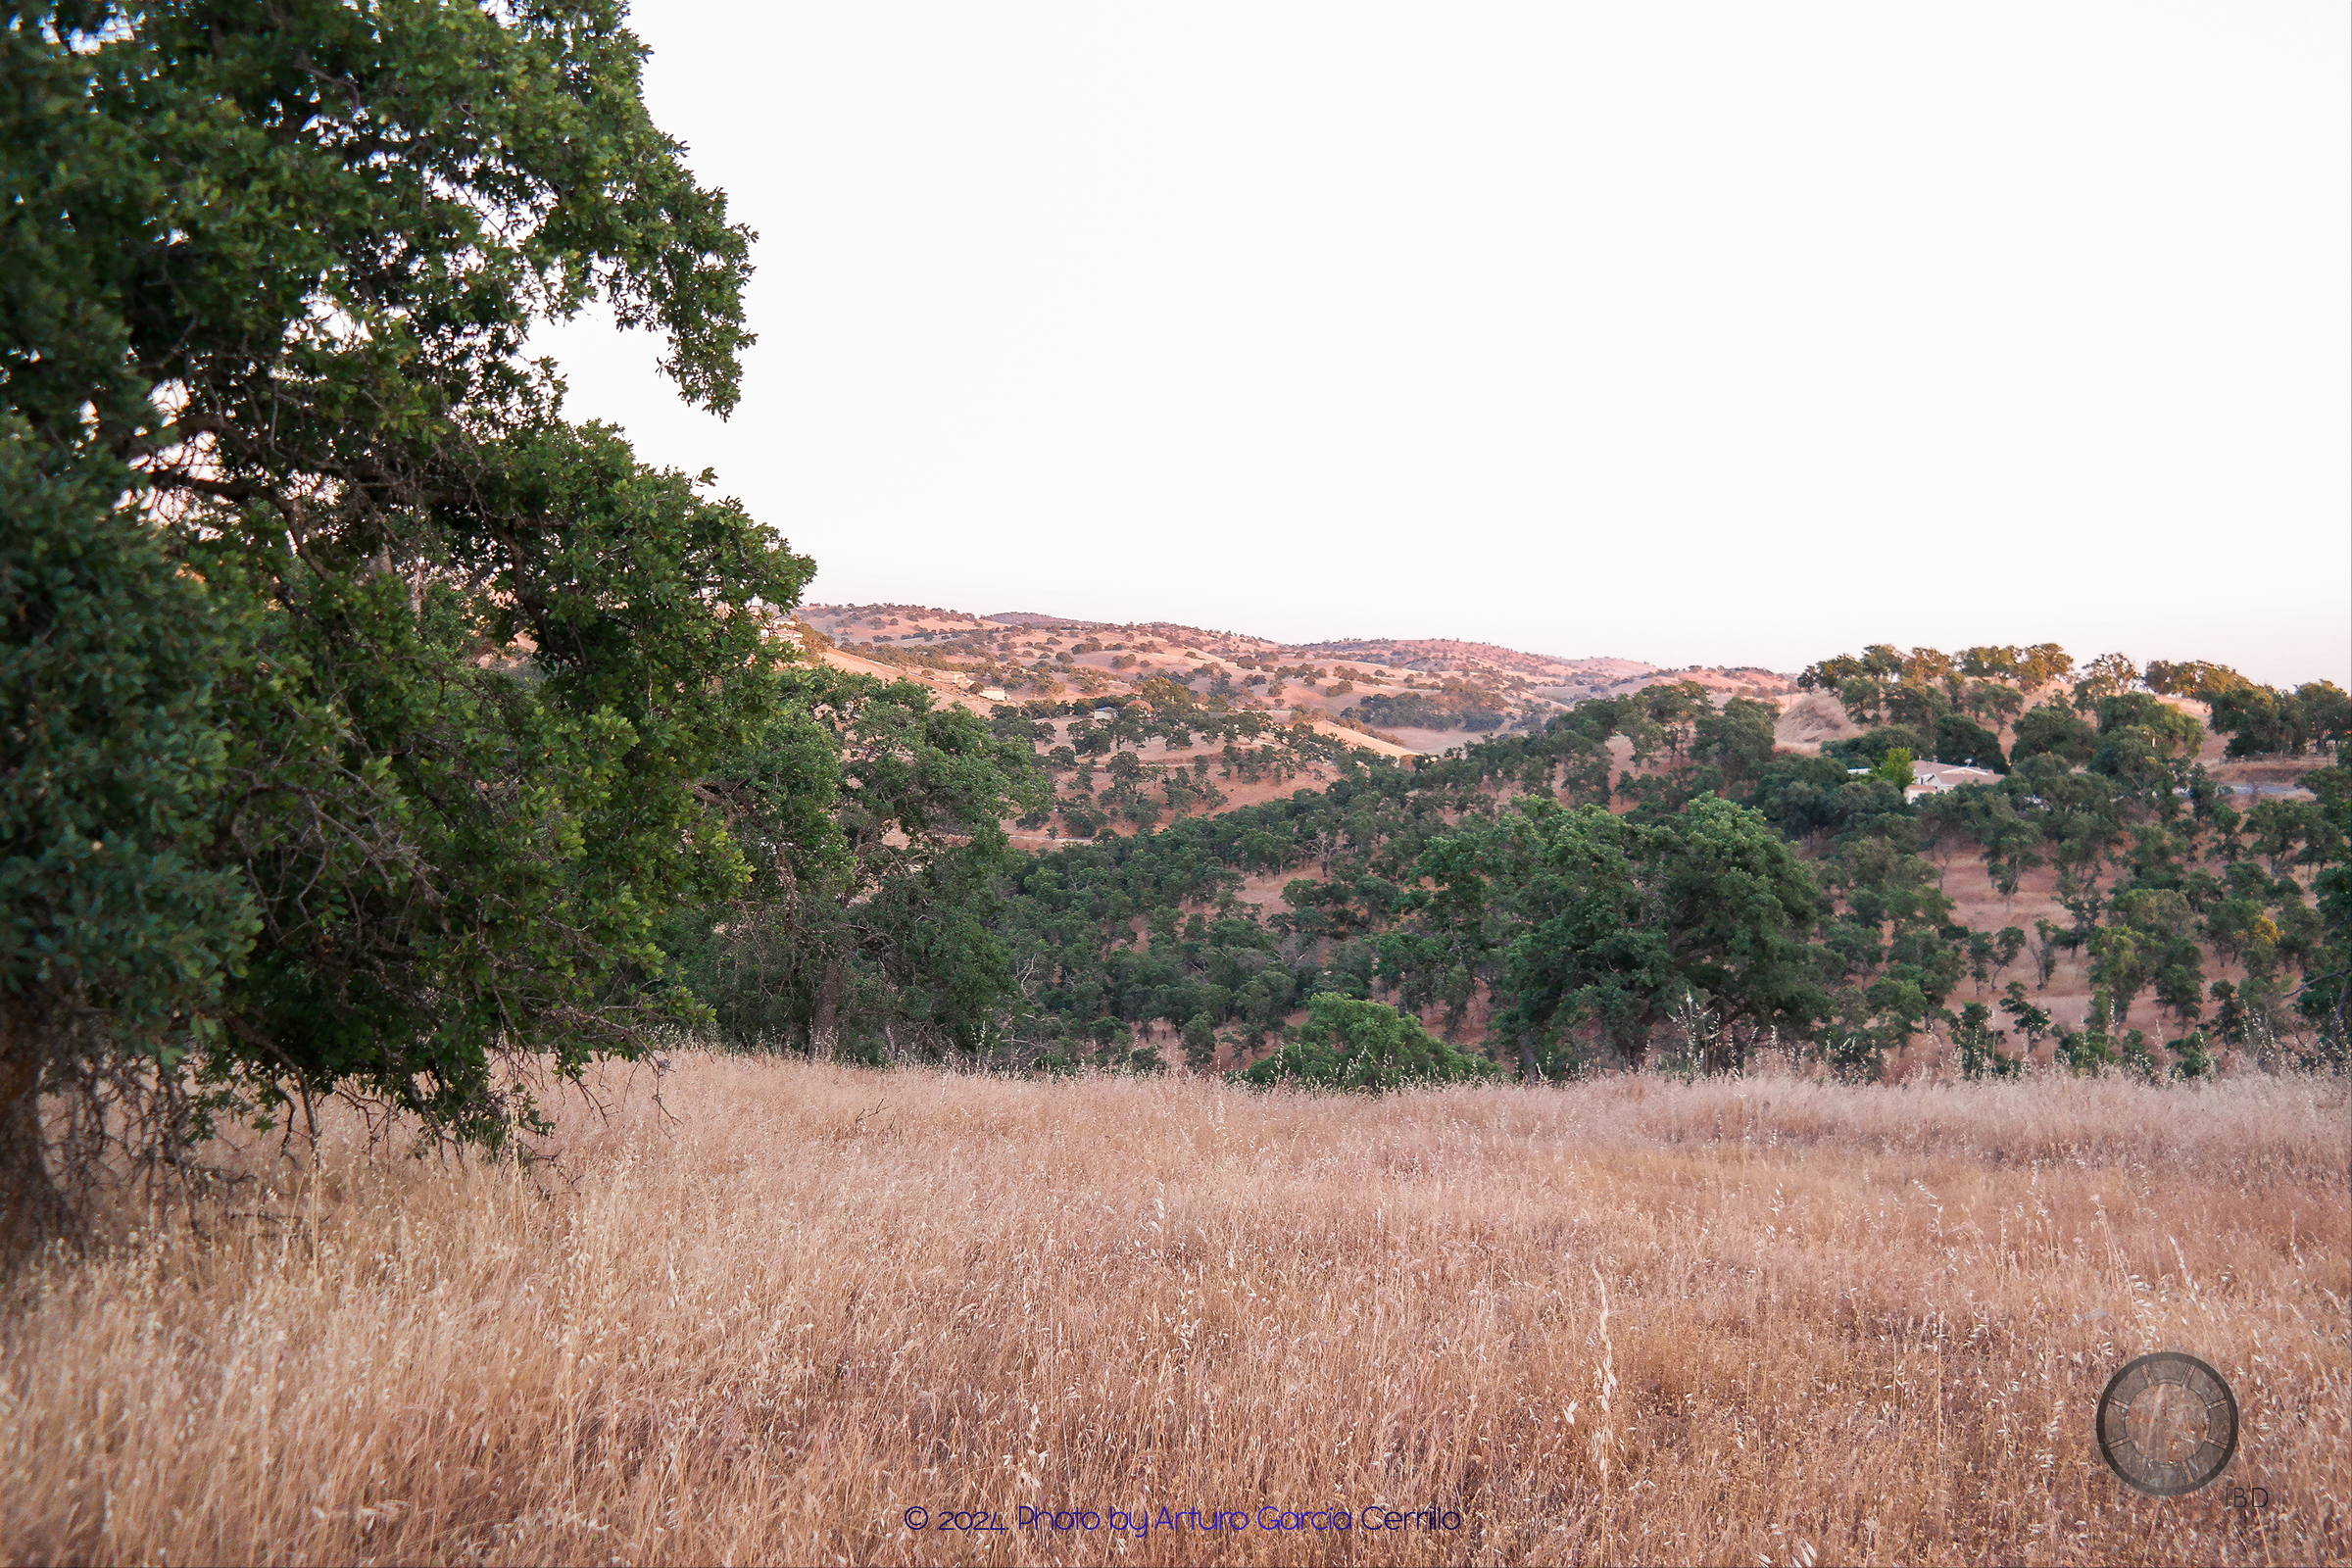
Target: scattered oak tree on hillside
[(1921, 687), (2053, 730), (2261, 722), (1886, 955), (1586, 921)]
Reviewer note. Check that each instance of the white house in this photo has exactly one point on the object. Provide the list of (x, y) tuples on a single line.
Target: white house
[(1934, 778)]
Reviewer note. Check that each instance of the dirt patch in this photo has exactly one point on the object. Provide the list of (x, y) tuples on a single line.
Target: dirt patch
[(1812, 719), (2266, 769)]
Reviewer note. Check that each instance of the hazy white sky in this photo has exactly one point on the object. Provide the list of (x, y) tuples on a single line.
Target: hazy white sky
[(1693, 333)]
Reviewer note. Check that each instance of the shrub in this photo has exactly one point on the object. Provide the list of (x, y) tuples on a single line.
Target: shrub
[(1346, 1044)]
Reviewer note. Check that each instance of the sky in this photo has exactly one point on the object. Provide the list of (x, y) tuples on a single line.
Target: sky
[(1701, 333)]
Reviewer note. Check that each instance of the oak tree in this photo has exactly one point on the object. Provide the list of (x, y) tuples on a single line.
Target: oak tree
[(356, 701)]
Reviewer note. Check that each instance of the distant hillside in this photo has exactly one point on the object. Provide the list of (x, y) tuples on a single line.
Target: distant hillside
[(1031, 619), (1429, 694), (1444, 652)]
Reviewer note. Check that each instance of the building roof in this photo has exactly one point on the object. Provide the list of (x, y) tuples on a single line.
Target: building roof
[(1934, 778), (1950, 776)]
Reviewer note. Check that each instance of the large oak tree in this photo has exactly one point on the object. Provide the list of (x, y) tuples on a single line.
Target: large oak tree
[(355, 702)]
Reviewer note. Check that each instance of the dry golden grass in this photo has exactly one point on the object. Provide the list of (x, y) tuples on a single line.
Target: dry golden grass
[(1839, 1325)]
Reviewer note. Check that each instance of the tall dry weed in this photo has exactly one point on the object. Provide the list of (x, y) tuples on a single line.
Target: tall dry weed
[(1629, 1320)]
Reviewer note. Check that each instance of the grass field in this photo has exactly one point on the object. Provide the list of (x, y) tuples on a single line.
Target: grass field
[(1763, 1321)]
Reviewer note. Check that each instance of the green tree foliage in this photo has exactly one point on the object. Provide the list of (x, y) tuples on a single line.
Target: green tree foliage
[(1877, 663), (1871, 749), (1737, 740), (2103, 1044), (1673, 710), (423, 675), (1807, 797), (2108, 676), (2327, 995), (2287, 833), (1963, 740), (871, 823), (1442, 710), (2261, 722), (1368, 1046), (2168, 727), (1917, 705), (1862, 699), (1590, 922), (1200, 1042), (2258, 722), (2051, 730), (1891, 954), (1920, 687), (2042, 664), (2144, 744), (2031, 1021), (1883, 962), (1996, 661), (2027, 668), (2328, 714), (2194, 1056), (2193, 678), (121, 934), (1460, 877), (1981, 1054), (1986, 699)]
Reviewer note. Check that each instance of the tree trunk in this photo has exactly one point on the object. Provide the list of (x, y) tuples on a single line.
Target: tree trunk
[(33, 1211), (1527, 1058), (827, 1021)]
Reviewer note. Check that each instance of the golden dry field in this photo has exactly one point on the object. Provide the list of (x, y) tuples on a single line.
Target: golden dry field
[(1628, 1320)]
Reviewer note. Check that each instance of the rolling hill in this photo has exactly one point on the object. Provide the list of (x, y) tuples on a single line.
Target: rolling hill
[(1424, 695)]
